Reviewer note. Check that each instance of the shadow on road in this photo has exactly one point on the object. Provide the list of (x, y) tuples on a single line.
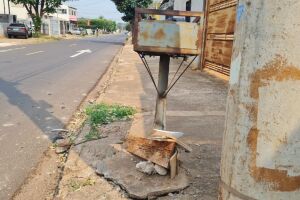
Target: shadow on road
[(107, 42), (36, 111)]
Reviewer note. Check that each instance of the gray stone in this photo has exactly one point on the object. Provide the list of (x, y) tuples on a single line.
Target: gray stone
[(160, 170), (121, 170), (60, 150), (145, 167)]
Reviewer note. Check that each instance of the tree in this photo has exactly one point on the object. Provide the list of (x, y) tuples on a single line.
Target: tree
[(127, 7), (37, 8), (104, 24), (83, 23)]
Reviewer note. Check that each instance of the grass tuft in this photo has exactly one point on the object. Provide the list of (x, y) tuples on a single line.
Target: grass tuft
[(102, 113)]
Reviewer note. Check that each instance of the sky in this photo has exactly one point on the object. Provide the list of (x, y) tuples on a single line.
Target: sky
[(96, 8)]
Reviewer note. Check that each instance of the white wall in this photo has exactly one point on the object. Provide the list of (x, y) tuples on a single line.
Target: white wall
[(197, 5), (20, 11), (63, 17)]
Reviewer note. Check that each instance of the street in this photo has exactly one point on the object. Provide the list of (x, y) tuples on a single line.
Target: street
[(40, 88)]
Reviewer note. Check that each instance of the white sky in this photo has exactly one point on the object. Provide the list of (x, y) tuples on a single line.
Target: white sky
[(96, 8)]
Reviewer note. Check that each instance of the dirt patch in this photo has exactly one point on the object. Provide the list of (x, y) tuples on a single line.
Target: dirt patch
[(42, 183)]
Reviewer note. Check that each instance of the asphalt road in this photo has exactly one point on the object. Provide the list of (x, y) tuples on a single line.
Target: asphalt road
[(40, 88)]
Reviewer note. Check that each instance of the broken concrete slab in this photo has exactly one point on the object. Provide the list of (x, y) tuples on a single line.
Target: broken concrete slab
[(121, 170)]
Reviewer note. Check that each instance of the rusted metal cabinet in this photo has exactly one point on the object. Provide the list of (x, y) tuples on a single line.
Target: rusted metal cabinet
[(220, 18), (167, 36)]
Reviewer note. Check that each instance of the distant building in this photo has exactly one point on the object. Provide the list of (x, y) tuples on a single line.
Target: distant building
[(57, 23), (64, 20)]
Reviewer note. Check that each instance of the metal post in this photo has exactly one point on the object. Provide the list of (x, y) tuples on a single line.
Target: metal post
[(260, 158), (161, 102)]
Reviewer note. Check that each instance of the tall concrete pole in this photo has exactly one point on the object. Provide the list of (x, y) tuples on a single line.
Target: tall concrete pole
[(261, 150)]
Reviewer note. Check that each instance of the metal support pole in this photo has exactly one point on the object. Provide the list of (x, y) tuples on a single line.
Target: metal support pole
[(161, 102)]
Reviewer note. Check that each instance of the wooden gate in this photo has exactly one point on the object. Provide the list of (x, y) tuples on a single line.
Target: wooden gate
[(219, 35)]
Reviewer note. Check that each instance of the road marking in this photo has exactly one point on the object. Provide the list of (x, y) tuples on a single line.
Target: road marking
[(34, 53), (81, 52), (72, 45), (7, 50)]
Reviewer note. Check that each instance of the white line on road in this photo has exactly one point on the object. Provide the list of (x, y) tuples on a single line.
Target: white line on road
[(73, 45), (34, 53), (7, 50), (81, 52)]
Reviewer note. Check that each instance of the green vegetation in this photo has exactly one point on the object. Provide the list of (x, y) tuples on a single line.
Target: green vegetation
[(92, 135), (100, 23), (76, 185), (37, 9), (127, 7), (102, 113)]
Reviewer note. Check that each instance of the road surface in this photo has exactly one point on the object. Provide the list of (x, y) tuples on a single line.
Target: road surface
[(40, 88)]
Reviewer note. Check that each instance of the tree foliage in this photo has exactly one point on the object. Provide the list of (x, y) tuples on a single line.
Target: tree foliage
[(127, 7), (100, 23), (37, 8)]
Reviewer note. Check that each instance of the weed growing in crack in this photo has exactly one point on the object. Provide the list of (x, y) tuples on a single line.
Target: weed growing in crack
[(93, 134), (100, 114), (76, 185)]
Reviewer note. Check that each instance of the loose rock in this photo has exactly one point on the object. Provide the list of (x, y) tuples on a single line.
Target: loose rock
[(60, 150), (160, 170), (63, 143), (146, 167)]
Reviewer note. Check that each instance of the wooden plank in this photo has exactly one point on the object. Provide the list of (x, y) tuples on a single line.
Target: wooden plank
[(158, 152), (220, 37), (223, 5), (213, 2), (222, 21), (217, 68), (165, 135), (174, 165), (219, 51)]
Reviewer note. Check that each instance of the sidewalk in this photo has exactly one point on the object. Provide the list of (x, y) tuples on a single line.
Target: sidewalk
[(196, 107)]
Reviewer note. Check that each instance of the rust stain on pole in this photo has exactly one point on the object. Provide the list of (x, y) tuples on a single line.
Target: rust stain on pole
[(277, 70)]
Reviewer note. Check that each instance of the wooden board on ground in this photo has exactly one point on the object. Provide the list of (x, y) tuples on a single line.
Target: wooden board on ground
[(158, 152)]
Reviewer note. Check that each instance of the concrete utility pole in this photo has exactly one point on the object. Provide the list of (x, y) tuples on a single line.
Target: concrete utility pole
[(261, 151)]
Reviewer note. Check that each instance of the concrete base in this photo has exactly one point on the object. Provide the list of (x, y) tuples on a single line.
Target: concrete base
[(121, 170)]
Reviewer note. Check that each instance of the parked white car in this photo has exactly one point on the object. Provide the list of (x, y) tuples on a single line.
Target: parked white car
[(75, 31)]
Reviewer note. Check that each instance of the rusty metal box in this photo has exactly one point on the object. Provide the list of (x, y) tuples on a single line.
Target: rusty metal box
[(167, 37)]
